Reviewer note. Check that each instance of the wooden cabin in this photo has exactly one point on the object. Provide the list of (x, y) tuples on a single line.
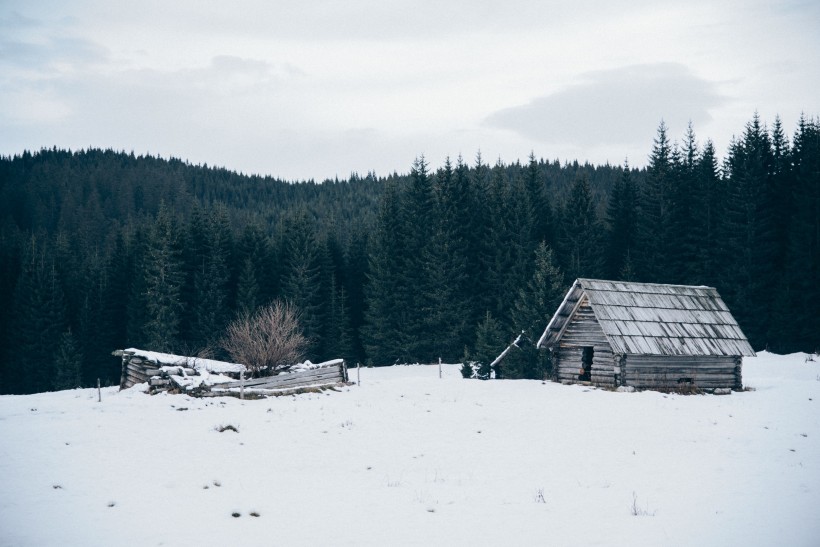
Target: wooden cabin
[(645, 335)]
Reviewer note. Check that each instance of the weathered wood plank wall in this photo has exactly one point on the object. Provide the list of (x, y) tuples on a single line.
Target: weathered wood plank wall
[(319, 376), (667, 372), (583, 331)]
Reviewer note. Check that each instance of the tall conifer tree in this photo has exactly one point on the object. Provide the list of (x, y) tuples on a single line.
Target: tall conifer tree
[(653, 226), (386, 291), (581, 233), (302, 276), (163, 281), (622, 223)]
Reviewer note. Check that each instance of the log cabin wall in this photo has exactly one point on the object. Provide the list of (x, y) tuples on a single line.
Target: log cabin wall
[(583, 331), (670, 372)]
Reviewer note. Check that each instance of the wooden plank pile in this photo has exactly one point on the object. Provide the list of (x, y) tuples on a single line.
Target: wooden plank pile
[(158, 370), (314, 375), (205, 377)]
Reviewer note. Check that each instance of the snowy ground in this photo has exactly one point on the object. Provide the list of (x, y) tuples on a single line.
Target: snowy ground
[(409, 459)]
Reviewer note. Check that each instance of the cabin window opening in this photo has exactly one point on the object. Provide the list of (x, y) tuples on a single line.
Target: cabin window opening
[(586, 364), (686, 381)]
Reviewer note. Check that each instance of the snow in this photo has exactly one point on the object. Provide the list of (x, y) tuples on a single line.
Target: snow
[(196, 363), (205, 377), (410, 459), (307, 365)]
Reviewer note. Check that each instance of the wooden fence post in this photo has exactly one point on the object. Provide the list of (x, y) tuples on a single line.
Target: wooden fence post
[(99, 393), (359, 374), (241, 384), (439, 368)]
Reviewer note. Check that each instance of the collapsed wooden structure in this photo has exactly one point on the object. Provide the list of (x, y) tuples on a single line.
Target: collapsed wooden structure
[(156, 369), (303, 375), (645, 335), (198, 376)]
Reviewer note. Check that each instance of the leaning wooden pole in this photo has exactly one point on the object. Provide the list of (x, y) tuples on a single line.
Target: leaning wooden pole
[(507, 350)]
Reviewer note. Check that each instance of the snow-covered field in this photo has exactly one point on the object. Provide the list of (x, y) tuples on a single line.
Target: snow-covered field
[(410, 459)]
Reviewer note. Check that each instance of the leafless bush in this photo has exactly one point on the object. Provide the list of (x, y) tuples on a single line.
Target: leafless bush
[(267, 339)]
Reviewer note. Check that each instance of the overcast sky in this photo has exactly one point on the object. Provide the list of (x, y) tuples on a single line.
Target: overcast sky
[(299, 89)]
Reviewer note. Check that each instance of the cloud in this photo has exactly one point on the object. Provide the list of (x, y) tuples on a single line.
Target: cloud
[(41, 43), (615, 106), (15, 20), (64, 50)]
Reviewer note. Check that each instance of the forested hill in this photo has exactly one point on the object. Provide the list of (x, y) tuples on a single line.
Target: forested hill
[(102, 250)]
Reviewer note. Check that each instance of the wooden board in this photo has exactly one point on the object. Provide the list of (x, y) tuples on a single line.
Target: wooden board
[(330, 374)]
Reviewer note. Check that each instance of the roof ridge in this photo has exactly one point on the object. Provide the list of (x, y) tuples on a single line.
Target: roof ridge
[(642, 283)]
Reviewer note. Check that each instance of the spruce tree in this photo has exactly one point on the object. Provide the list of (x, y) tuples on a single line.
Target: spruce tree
[(541, 208), (211, 281), (750, 233), (488, 345), (163, 280), (386, 293), (92, 329), (247, 292), (482, 244), (118, 277), (468, 224), (683, 192), (502, 247), (622, 220), (418, 204), (536, 304), (40, 313), (338, 342), (540, 297), (445, 307), (254, 245), (302, 276), (651, 256), (68, 361), (782, 188), (709, 224), (797, 317), (137, 314), (357, 271), (582, 233), (10, 266)]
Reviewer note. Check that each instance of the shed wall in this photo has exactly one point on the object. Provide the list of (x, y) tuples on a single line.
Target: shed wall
[(582, 331), (666, 372)]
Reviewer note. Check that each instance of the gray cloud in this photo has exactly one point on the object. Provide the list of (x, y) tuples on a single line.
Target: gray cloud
[(15, 20), (621, 105), (36, 45)]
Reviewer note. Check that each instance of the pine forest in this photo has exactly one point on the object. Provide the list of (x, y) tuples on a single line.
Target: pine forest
[(103, 250)]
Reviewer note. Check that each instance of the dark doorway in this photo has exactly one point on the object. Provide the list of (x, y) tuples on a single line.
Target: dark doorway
[(586, 364)]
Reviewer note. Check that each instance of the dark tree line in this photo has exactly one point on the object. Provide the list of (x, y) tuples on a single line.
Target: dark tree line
[(102, 250)]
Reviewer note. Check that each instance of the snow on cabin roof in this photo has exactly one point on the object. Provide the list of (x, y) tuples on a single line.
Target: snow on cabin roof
[(654, 319), (196, 363)]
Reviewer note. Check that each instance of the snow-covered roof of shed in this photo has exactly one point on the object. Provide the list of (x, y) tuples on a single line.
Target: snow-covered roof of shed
[(654, 319), (195, 363)]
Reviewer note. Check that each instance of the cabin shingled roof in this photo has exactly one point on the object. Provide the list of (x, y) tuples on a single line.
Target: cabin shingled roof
[(654, 319)]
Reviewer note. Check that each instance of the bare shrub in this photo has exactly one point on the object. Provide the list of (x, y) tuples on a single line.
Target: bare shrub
[(637, 510), (266, 340)]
